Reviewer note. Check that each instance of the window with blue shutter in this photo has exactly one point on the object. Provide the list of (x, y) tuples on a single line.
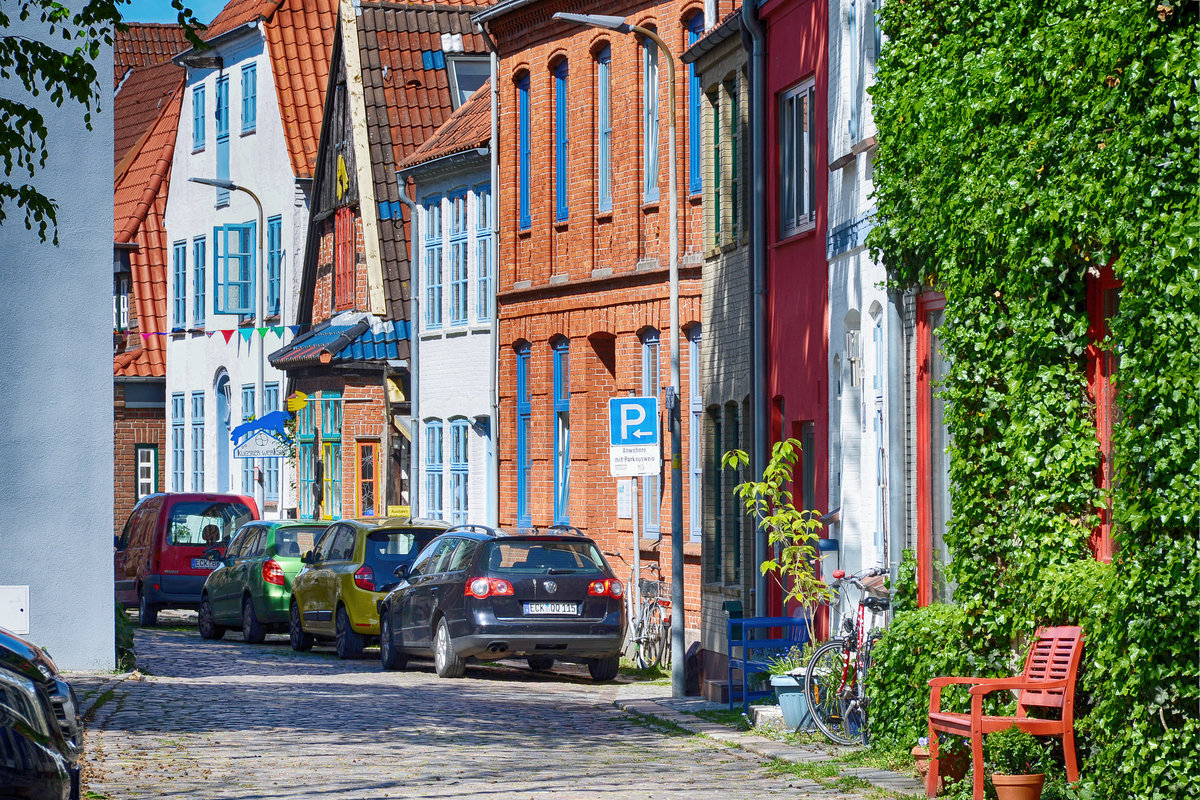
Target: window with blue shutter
[(306, 436), (433, 263), (651, 500), (483, 253), (233, 269), (562, 433), (331, 449), (650, 122), (198, 118), (249, 98), (459, 462), (524, 423), (523, 145), (179, 286), (433, 469), (197, 441), (222, 115), (177, 441), (199, 262), (562, 139), (248, 413), (695, 27), (458, 258), (270, 465), (604, 134), (274, 264)]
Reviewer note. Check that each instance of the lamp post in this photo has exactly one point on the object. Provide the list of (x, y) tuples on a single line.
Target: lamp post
[(618, 24), (259, 488)]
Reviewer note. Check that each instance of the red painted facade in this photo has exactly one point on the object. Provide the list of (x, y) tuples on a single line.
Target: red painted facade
[(798, 281)]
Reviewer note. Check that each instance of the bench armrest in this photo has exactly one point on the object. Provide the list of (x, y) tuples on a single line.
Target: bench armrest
[(940, 682), (984, 687)]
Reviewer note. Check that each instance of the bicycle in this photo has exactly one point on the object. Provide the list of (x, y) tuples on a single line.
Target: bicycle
[(835, 681), (648, 625)]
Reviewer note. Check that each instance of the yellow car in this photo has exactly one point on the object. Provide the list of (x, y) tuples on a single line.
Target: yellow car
[(352, 566)]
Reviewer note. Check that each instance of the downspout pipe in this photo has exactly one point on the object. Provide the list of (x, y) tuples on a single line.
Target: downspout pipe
[(754, 41), (414, 368), (493, 505)]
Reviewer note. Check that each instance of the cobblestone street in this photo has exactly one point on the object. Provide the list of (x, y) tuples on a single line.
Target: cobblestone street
[(228, 720)]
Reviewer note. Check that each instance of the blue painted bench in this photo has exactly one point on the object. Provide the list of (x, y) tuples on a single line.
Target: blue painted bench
[(756, 647)]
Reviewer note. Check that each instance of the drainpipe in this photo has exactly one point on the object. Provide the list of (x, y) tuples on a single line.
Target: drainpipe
[(754, 41), (897, 390), (493, 505), (414, 372)]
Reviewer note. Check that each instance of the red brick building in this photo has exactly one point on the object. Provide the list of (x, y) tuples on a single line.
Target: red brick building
[(352, 360), (145, 118), (582, 290)]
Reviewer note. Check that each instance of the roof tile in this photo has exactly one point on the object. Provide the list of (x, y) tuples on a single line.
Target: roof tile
[(467, 128)]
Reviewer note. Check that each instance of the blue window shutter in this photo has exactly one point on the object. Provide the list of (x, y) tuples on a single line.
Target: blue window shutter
[(223, 137), (198, 280), (524, 144), (524, 415), (179, 307), (562, 433), (198, 117), (249, 98), (695, 181), (650, 120), (562, 135), (274, 264)]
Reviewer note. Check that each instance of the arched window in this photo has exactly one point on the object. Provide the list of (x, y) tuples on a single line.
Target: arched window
[(524, 422), (695, 432), (562, 432), (604, 129), (562, 139), (523, 150), (695, 29), (651, 500), (650, 119), (459, 470), (433, 468)]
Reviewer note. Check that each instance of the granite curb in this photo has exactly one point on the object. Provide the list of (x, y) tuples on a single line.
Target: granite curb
[(635, 699)]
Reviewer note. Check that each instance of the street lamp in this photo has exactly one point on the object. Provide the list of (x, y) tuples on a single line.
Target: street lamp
[(259, 488), (619, 24)]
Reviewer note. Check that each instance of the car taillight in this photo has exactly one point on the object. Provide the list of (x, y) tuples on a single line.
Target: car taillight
[(609, 587), (488, 587), (365, 578), (272, 572)]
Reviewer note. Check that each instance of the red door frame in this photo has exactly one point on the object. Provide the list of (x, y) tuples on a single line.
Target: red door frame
[(926, 304), (1100, 366)]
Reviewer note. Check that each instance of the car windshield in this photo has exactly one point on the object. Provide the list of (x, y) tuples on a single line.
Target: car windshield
[(294, 542), (204, 523), (388, 549), (540, 557)]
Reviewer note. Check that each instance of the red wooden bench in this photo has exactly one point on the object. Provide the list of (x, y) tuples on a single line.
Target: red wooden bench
[(1047, 682)]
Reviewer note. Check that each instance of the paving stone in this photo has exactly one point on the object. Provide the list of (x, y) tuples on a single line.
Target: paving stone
[(226, 720)]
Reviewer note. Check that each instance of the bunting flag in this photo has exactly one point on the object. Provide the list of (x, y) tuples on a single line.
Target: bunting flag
[(209, 334), (246, 333), (278, 331), (146, 336), (228, 335), (262, 332), (295, 330)]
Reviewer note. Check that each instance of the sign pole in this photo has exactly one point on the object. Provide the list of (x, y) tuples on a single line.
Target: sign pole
[(636, 589)]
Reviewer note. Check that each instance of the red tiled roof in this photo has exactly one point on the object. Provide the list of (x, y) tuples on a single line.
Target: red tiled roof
[(138, 103), (300, 38), (237, 13), (139, 205), (143, 45), (469, 127)]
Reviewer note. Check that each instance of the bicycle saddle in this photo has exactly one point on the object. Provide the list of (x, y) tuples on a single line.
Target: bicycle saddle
[(877, 603)]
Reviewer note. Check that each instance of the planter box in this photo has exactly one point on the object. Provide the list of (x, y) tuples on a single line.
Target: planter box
[(793, 704)]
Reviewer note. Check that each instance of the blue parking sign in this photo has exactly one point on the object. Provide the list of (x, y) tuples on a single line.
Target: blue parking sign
[(633, 421)]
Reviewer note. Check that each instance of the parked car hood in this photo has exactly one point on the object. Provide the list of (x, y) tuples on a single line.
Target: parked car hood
[(26, 658)]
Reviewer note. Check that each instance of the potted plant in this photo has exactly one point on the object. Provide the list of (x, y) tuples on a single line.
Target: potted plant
[(1015, 758), (953, 759), (787, 679)]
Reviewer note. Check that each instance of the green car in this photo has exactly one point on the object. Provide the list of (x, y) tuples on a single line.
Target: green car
[(352, 567), (252, 587)]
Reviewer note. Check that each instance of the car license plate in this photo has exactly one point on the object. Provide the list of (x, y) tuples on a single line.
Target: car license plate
[(205, 563), (551, 608)]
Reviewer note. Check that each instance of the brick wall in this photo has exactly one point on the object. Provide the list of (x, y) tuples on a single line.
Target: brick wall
[(323, 289), (131, 427)]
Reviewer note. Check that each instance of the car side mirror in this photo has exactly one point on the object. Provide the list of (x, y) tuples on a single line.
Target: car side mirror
[(310, 557), (401, 572)]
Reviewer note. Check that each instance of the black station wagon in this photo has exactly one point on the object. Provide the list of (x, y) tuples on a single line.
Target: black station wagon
[(480, 593)]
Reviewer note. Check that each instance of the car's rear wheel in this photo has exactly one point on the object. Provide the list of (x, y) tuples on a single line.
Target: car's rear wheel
[(147, 611), (446, 662), (540, 663), (209, 629), (389, 655), (604, 669), (347, 642), (299, 640), (252, 630)]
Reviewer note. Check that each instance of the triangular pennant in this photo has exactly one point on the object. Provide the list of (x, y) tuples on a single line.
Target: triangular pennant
[(262, 332), (278, 331), (228, 335), (209, 334), (295, 329), (146, 336), (246, 333)]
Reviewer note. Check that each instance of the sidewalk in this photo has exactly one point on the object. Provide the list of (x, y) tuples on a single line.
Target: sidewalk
[(656, 701)]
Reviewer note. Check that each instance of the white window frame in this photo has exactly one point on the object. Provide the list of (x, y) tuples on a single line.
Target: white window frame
[(797, 159)]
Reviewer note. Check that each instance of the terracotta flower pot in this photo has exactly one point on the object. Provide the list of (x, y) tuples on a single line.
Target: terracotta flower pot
[(1019, 787), (953, 766)]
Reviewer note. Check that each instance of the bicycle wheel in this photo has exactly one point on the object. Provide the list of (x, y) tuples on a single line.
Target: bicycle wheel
[(651, 651), (831, 691), (867, 656)]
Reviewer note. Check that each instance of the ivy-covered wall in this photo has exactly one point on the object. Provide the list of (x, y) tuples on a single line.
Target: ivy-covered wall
[(1022, 146)]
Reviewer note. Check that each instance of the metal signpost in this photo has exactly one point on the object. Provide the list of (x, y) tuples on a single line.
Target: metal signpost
[(633, 451)]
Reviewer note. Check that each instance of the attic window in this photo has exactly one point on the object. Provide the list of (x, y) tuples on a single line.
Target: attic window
[(466, 76)]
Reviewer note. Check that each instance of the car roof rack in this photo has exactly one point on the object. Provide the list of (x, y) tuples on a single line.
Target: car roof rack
[(474, 527), (562, 528)]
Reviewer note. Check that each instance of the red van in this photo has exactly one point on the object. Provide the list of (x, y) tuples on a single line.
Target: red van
[(160, 560)]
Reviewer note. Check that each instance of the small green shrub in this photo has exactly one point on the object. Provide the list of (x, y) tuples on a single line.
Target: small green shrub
[(1013, 752), (126, 657)]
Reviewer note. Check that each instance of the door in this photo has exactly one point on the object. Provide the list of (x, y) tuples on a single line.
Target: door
[(305, 589), (142, 543), (337, 549), (219, 580), (424, 597), (125, 589), (223, 411)]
